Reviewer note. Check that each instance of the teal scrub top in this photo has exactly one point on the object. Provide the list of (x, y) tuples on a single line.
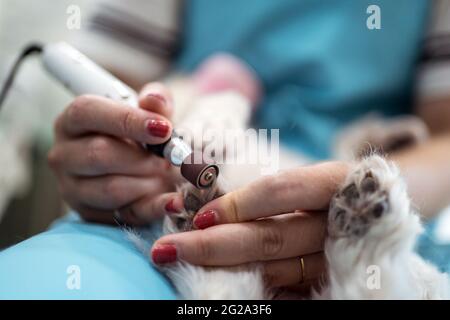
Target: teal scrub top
[(320, 65)]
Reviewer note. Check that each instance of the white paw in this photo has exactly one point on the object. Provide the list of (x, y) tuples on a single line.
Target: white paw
[(371, 225), (373, 197)]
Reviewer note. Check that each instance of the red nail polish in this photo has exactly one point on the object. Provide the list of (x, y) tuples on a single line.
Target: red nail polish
[(164, 253), (205, 219), (157, 96), (158, 128), (170, 207)]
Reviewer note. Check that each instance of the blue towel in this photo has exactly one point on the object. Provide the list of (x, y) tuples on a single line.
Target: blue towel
[(77, 260)]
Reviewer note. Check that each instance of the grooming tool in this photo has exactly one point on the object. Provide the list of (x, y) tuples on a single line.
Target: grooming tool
[(80, 75)]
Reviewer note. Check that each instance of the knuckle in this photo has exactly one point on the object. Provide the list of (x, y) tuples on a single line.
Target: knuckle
[(233, 208), (271, 242), (282, 186), (96, 150), (113, 188), (276, 185), (126, 122), (77, 108), (205, 250)]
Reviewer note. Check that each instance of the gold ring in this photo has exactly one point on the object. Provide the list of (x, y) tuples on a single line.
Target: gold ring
[(302, 269)]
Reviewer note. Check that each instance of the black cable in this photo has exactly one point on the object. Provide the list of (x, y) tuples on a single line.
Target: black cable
[(32, 48)]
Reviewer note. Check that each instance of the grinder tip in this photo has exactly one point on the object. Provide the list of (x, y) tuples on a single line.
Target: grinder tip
[(200, 174)]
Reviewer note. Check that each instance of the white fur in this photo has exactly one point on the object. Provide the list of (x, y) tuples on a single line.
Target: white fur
[(388, 245), (237, 283)]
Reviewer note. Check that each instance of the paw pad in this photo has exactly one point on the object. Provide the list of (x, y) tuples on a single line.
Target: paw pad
[(360, 203)]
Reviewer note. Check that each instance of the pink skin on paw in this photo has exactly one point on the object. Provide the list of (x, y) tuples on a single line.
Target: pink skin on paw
[(225, 72)]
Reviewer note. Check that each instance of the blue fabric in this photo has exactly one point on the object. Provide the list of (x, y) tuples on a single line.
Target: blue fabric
[(433, 250), (109, 264), (320, 65)]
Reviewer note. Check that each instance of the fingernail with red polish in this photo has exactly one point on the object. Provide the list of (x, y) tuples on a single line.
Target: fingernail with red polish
[(170, 206), (164, 253), (158, 128), (157, 96), (205, 219)]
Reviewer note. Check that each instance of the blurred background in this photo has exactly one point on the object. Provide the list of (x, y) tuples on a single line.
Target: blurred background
[(113, 33), (28, 194)]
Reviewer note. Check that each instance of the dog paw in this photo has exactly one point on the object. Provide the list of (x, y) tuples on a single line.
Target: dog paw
[(363, 199), (381, 135), (193, 200)]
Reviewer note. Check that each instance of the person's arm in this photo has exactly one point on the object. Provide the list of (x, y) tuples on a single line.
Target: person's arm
[(427, 167)]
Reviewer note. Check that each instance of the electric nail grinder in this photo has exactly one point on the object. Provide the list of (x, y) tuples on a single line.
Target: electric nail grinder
[(81, 75)]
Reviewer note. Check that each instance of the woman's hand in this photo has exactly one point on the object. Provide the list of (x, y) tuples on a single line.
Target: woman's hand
[(274, 220), (101, 168)]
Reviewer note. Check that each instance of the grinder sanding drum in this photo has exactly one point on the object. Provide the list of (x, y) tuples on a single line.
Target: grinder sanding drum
[(198, 172)]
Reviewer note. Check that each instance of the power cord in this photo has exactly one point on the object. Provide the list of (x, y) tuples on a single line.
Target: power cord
[(29, 50)]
